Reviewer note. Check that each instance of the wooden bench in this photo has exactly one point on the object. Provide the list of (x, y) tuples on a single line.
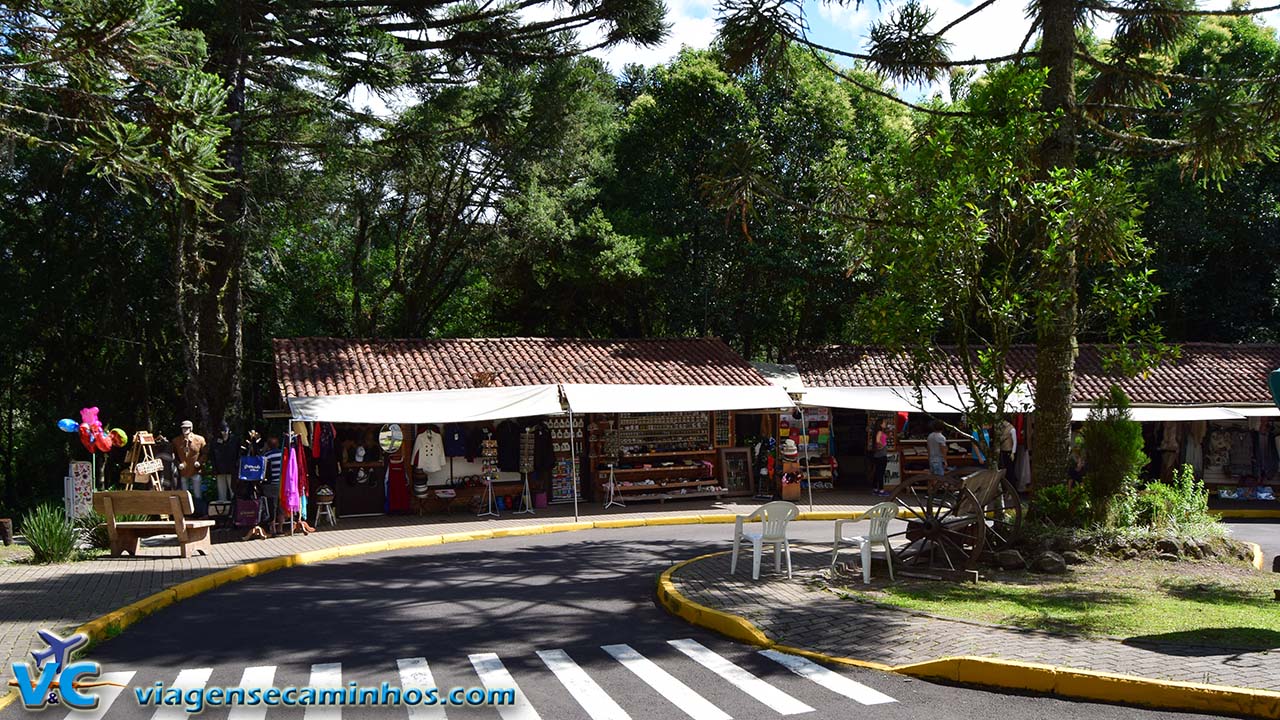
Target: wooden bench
[(192, 534)]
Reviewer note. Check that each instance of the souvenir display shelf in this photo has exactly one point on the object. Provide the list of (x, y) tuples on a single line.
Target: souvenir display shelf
[(915, 454), (673, 433), (655, 456), (562, 479), (818, 422)]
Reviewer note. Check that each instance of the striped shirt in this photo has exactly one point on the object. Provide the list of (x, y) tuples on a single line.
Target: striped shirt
[(273, 459)]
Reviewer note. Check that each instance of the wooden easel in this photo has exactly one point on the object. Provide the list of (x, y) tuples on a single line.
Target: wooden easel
[(144, 468)]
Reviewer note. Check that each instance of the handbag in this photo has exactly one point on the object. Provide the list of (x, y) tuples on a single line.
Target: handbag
[(246, 512), (253, 468)]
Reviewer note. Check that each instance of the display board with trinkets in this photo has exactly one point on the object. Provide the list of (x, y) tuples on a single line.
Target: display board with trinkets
[(655, 456), (564, 482)]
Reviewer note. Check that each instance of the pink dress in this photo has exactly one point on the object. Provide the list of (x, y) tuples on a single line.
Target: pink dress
[(289, 484)]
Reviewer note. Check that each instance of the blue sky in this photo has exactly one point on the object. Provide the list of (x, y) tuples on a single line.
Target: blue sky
[(996, 30)]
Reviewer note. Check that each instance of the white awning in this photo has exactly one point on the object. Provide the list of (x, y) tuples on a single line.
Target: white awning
[(932, 399), (1257, 411), (1169, 414), (432, 406), (674, 398), (786, 377)]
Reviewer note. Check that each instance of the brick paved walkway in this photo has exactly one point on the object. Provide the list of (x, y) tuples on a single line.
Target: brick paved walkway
[(61, 597), (799, 613)]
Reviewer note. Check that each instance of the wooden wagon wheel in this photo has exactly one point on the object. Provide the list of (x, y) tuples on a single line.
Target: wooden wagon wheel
[(1004, 517), (945, 529)]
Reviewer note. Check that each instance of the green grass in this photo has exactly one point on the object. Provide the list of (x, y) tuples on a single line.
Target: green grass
[(1229, 606)]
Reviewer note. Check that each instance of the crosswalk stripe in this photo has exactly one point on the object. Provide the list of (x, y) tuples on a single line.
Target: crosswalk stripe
[(833, 681), (324, 675), (416, 673), (186, 680), (679, 694), (107, 694), (261, 676), (586, 691), (494, 676), (746, 682)]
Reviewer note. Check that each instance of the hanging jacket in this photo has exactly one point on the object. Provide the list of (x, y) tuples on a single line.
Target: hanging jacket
[(509, 446), (544, 455), (455, 440)]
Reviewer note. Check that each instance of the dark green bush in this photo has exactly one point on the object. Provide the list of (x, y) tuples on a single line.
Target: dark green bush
[(1113, 453), (1059, 505), (52, 537)]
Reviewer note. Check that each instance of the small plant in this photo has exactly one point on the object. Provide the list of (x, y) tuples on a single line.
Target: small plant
[(92, 528), (53, 538)]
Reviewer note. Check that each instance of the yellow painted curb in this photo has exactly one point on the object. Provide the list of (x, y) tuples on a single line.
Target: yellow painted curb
[(1098, 686), (1257, 557), (520, 531), (7, 698), (828, 515), (568, 527), (625, 523), (729, 625), (674, 520), (995, 672), (1245, 513), (823, 657)]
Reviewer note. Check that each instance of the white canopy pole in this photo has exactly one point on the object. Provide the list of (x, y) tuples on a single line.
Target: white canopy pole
[(573, 464), (808, 471)]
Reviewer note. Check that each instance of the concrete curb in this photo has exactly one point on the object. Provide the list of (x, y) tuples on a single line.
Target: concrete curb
[(1257, 557), (1064, 682), (1245, 513)]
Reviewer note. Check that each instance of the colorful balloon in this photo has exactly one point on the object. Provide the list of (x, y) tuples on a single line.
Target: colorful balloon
[(68, 425), (119, 438), (92, 435)]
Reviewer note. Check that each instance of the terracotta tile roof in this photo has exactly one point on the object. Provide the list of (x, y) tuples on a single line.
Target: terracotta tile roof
[(1204, 374), (311, 367)]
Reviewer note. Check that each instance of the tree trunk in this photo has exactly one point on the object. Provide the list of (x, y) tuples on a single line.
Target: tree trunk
[(1056, 332), (209, 266)]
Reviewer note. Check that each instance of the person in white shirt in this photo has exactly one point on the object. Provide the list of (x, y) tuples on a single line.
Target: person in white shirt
[(1008, 443), (937, 443)]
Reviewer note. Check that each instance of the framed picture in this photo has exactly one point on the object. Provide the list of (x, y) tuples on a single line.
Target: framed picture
[(735, 469)]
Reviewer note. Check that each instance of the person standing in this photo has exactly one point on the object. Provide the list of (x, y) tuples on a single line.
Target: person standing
[(191, 452), (1008, 440), (224, 455), (272, 460), (880, 456), (937, 443)]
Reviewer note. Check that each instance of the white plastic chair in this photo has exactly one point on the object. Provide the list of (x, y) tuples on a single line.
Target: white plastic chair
[(879, 515), (773, 518)]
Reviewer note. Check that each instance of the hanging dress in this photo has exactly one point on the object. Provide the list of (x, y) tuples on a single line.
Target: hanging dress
[(398, 496), (289, 497)]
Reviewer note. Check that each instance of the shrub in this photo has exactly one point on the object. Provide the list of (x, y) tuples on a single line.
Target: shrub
[(52, 537), (1059, 505), (1113, 451), (93, 531), (1179, 507)]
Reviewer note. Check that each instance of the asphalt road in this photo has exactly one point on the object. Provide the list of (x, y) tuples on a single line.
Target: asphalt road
[(1264, 532), (493, 606)]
